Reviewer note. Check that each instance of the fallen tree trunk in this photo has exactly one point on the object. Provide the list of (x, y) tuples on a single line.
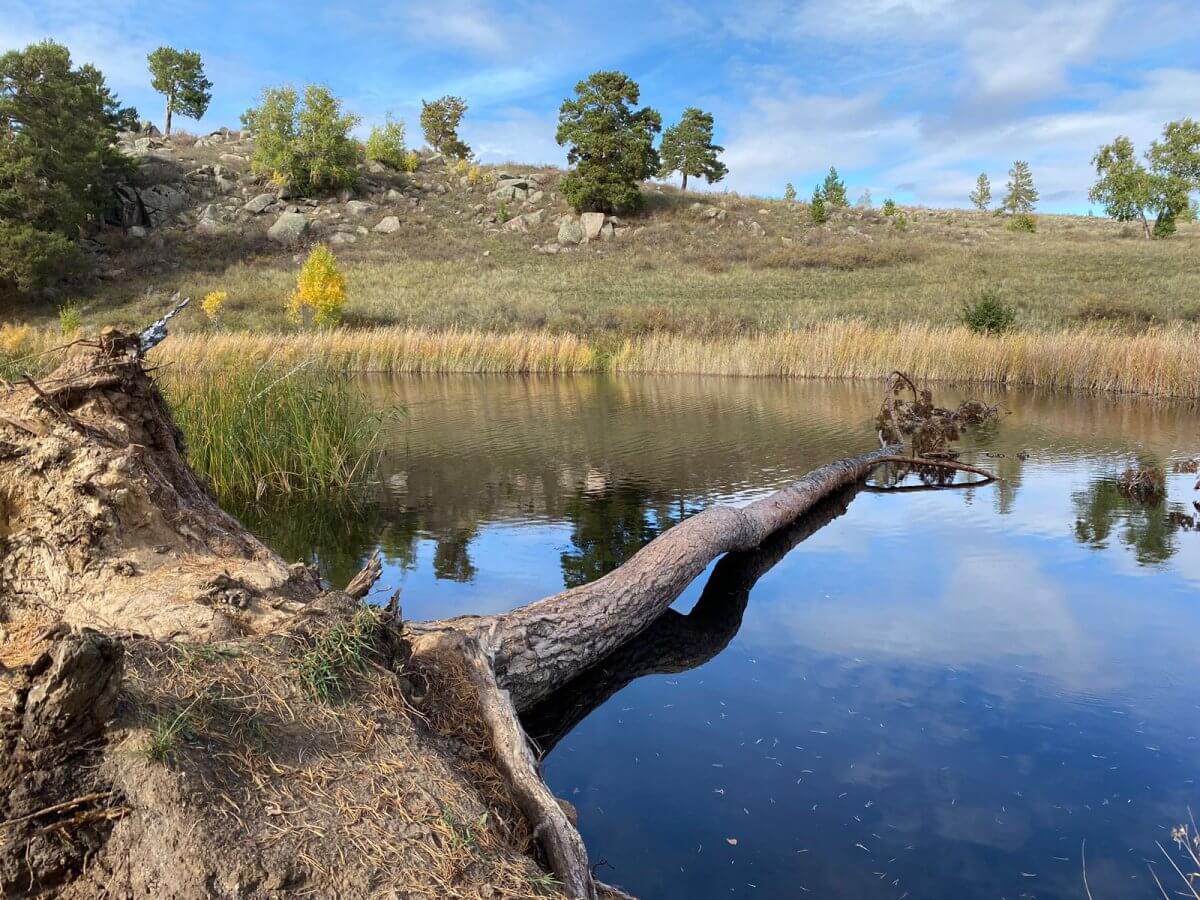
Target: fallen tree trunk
[(104, 525), (540, 647)]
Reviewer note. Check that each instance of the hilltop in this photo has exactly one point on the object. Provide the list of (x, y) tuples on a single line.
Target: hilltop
[(440, 249)]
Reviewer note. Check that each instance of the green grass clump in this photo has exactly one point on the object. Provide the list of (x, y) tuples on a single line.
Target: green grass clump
[(336, 654), (167, 731), (254, 429)]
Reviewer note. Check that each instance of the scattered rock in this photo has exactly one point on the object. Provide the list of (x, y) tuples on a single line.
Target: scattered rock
[(259, 203), (570, 232), (288, 228), (358, 207), (341, 237), (592, 222), (388, 225)]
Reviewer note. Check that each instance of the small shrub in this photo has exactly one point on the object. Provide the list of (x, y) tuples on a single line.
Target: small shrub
[(460, 168), (309, 144), (320, 290), (789, 193), (502, 215), (386, 144), (889, 207), (412, 162), (70, 318), (212, 303), (1022, 223), (988, 314), (900, 221), (474, 175)]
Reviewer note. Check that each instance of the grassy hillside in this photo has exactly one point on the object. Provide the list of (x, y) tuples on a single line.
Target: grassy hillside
[(673, 270)]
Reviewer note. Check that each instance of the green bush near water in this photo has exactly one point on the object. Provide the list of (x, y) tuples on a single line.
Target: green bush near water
[(262, 430), (989, 314)]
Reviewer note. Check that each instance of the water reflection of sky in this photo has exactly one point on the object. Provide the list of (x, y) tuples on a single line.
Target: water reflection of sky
[(938, 694)]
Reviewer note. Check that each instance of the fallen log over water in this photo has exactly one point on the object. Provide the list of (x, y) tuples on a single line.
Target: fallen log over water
[(104, 526)]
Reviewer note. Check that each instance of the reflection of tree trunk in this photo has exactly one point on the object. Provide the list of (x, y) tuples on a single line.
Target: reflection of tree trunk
[(676, 642), (540, 647)]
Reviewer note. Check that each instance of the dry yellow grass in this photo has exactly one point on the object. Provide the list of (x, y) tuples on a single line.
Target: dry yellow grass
[(1159, 361), (407, 350)]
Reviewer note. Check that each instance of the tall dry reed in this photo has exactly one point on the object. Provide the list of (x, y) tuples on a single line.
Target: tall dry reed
[(1159, 361)]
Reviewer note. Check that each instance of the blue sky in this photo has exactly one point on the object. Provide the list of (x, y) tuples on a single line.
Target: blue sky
[(909, 98)]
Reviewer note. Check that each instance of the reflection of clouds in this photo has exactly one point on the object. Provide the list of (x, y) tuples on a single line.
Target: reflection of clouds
[(953, 599)]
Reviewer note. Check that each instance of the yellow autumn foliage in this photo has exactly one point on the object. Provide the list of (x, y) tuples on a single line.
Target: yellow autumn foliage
[(320, 290)]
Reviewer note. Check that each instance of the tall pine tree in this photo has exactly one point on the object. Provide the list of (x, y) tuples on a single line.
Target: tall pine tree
[(179, 76), (687, 148)]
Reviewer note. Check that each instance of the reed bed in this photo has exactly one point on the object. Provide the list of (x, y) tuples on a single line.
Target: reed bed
[(260, 429), (402, 350), (1160, 361)]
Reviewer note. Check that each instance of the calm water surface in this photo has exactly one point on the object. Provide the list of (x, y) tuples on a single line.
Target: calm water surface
[(928, 694)]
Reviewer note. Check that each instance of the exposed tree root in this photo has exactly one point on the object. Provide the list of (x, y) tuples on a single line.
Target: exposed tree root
[(104, 525)]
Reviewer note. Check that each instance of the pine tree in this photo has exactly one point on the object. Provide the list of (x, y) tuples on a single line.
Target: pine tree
[(1022, 196), (834, 190), (58, 162), (789, 193), (816, 208), (179, 75), (610, 144), (687, 148), (440, 120), (981, 197)]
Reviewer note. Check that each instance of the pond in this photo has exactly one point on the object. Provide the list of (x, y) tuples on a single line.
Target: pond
[(918, 694)]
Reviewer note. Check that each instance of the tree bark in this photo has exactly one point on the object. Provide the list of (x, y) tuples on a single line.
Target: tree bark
[(167, 123), (684, 181), (1146, 226)]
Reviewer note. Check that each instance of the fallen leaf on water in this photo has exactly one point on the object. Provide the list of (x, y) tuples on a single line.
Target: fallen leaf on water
[(731, 841)]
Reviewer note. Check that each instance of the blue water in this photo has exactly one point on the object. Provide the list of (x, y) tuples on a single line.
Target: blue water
[(920, 694)]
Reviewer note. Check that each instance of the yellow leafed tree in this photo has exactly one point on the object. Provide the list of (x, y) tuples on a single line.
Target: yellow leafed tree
[(320, 290)]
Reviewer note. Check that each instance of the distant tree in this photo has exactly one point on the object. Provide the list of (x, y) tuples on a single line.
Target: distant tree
[(610, 144), (981, 197), (1022, 196), (1176, 160), (889, 207), (309, 145), (834, 190), (179, 75), (865, 200), (58, 163), (816, 208), (1130, 189), (687, 148), (1123, 185), (440, 120), (789, 193)]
